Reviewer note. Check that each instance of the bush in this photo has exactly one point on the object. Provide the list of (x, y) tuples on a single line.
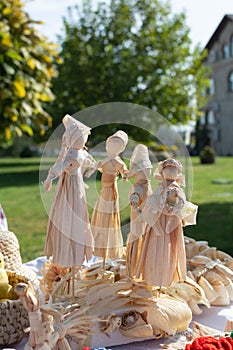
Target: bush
[(207, 155)]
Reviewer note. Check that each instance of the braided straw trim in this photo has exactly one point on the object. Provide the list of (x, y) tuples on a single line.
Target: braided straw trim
[(9, 246), (13, 321), (13, 316)]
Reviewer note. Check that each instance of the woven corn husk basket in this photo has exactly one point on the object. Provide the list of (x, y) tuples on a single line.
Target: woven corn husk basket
[(13, 316)]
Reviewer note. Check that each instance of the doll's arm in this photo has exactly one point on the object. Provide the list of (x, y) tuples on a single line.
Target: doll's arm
[(91, 171), (56, 171), (136, 196), (123, 171), (89, 161)]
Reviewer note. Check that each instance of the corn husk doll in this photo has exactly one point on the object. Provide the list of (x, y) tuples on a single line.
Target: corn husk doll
[(140, 170), (105, 222), (69, 238), (163, 258)]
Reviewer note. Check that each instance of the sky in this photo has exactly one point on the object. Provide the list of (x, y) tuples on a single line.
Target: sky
[(203, 16)]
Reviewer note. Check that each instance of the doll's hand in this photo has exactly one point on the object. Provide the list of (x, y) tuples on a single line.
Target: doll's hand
[(134, 199), (89, 173), (124, 176), (47, 184)]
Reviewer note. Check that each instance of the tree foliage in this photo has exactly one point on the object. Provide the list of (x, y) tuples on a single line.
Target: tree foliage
[(129, 51), (27, 67)]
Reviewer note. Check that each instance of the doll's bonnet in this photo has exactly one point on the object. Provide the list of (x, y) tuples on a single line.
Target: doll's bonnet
[(170, 162), (120, 135), (75, 131), (139, 160)]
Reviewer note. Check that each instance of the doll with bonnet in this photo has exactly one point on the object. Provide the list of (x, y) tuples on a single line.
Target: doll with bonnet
[(69, 238), (105, 222), (140, 171), (163, 258)]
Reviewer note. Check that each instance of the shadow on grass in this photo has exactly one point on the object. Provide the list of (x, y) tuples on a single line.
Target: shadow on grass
[(25, 178), (215, 225)]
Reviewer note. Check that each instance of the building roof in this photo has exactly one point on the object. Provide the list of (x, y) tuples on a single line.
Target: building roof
[(215, 35)]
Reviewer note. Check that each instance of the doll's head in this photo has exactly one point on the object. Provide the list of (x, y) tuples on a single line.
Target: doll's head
[(171, 170), (76, 133), (116, 143), (170, 173)]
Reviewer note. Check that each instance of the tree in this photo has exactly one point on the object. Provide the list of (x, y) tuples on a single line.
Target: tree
[(27, 67), (129, 51)]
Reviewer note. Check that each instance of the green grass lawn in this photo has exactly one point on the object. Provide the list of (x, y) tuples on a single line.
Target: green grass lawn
[(21, 199)]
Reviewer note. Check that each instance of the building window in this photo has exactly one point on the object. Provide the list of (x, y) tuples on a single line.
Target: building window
[(230, 81), (225, 51), (212, 87), (212, 56), (210, 117), (232, 46), (202, 119)]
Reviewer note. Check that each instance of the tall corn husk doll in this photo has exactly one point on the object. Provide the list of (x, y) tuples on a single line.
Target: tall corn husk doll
[(163, 258), (69, 238), (105, 222), (140, 170)]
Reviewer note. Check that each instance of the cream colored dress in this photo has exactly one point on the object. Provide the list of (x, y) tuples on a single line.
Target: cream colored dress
[(69, 238), (163, 258), (105, 222), (142, 188)]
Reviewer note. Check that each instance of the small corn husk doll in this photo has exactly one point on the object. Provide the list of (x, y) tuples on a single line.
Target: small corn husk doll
[(69, 239), (163, 258), (105, 222), (140, 170)]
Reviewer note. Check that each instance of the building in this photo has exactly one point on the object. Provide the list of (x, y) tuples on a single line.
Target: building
[(215, 126)]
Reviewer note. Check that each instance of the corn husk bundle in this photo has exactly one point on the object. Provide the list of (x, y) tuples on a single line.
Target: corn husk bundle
[(212, 270), (163, 315), (51, 325), (102, 297)]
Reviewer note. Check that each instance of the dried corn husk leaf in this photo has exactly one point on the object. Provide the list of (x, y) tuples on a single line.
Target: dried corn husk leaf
[(223, 270), (165, 314), (209, 291), (200, 330), (223, 298), (96, 294), (134, 325), (223, 256), (210, 252), (229, 325)]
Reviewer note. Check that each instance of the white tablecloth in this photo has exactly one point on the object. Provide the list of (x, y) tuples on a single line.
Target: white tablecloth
[(214, 317)]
